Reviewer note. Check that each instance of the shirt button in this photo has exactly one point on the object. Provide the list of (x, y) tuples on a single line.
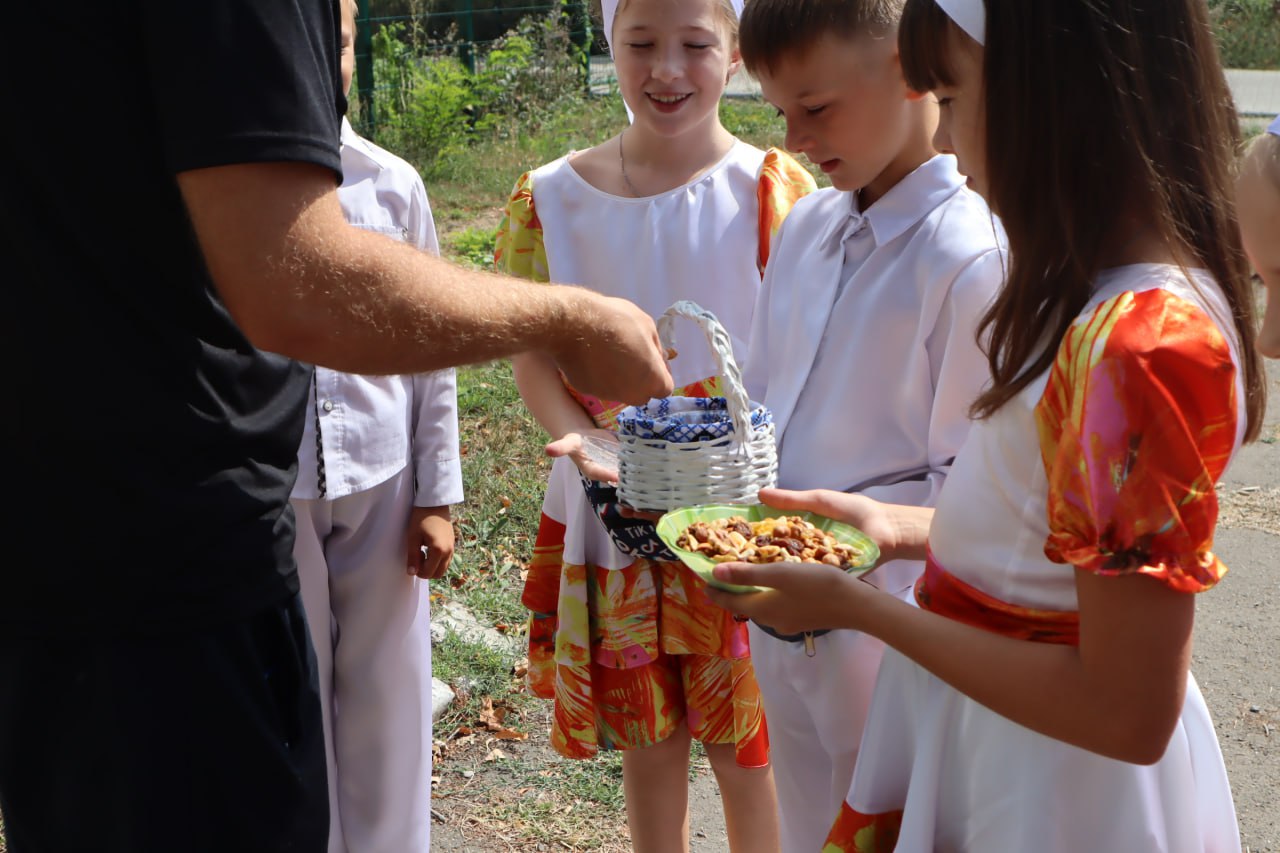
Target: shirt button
[(327, 405)]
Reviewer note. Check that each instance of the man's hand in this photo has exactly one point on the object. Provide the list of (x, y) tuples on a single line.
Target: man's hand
[(430, 541), (612, 351)]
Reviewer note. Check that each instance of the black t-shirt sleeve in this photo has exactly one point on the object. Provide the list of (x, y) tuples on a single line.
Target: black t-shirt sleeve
[(245, 81)]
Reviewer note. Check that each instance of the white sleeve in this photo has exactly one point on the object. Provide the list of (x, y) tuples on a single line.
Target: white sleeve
[(755, 370), (421, 225), (437, 462), (959, 371)]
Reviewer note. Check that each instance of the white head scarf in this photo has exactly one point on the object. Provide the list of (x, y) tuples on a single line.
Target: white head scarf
[(609, 9), (969, 15)]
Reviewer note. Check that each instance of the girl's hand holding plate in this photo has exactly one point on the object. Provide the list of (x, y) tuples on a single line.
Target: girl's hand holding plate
[(798, 596)]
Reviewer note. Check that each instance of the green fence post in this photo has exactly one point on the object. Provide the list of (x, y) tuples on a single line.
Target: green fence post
[(364, 69), (468, 35), (579, 16)]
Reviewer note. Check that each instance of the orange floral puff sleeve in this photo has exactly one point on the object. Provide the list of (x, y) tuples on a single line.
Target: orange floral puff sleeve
[(1136, 425), (518, 248), (783, 182)]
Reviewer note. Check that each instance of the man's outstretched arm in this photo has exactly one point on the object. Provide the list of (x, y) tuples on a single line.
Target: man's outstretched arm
[(301, 282)]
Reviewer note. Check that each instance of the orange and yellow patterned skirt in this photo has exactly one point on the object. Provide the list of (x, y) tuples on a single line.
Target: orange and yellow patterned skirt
[(629, 653)]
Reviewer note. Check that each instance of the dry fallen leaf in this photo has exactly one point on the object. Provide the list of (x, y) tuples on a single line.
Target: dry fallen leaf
[(510, 734), (495, 754)]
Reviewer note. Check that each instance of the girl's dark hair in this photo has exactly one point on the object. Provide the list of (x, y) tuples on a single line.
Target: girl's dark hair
[(1095, 109)]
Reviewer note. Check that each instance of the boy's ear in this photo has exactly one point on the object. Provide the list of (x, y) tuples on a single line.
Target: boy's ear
[(912, 94)]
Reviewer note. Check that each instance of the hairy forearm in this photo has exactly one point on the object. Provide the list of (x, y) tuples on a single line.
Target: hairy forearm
[(302, 282), (367, 304)]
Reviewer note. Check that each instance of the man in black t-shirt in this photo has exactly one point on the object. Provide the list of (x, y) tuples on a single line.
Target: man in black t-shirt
[(171, 217)]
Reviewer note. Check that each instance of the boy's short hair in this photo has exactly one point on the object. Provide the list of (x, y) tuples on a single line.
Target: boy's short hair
[(773, 30)]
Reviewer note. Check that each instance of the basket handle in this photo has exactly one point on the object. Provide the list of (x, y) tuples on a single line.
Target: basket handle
[(722, 347)]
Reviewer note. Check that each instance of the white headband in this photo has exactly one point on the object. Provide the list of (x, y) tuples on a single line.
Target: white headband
[(969, 15), (609, 9)]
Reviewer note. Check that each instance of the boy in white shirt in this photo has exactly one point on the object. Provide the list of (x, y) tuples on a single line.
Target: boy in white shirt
[(863, 344), (378, 467)]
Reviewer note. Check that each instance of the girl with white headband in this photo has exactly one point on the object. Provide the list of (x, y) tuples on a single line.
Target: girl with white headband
[(1039, 697), (622, 636)]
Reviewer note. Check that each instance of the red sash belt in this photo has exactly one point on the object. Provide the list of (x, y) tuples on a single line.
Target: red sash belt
[(942, 592)]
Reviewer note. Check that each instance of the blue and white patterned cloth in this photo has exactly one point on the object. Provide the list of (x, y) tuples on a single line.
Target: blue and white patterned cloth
[(686, 419)]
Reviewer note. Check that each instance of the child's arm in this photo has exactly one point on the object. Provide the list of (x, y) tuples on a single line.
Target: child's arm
[(520, 251), (1118, 694), (437, 467), (430, 541)]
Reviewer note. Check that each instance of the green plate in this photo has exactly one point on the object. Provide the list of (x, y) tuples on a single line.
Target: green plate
[(671, 525)]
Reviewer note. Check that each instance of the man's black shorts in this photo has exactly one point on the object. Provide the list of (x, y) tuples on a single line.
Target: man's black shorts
[(203, 741)]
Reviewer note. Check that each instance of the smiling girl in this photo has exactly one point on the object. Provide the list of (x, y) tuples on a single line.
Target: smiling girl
[(671, 208)]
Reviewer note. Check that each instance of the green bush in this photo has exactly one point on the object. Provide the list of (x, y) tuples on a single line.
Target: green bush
[(473, 246), (430, 106), (1248, 32)]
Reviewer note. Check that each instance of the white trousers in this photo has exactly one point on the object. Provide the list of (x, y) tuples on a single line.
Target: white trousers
[(816, 708), (370, 624)]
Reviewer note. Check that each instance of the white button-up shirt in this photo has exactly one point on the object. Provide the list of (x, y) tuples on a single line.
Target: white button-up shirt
[(371, 427), (863, 339)]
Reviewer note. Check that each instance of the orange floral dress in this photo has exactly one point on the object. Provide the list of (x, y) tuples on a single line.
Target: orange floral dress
[(1106, 464), (628, 646)]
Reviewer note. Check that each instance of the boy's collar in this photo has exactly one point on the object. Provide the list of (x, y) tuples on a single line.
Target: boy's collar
[(905, 204)]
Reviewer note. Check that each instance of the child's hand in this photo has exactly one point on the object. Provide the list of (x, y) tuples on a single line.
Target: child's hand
[(430, 541), (879, 521), (799, 596), (591, 450)]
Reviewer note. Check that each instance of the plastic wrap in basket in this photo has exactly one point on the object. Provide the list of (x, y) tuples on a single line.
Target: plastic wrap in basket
[(685, 451)]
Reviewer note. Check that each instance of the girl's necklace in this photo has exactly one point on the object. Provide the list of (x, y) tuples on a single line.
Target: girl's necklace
[(622, 163)]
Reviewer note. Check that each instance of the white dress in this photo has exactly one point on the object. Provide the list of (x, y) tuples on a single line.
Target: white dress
[(595, 607), (1145, 379)]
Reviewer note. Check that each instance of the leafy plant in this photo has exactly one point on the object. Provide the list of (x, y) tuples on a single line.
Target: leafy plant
[(474, 246), (1248, 32)]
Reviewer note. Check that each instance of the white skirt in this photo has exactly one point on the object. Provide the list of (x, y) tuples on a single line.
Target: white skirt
[(968, 779)]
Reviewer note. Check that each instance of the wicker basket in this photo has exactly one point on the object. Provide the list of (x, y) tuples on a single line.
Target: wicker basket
[(658, 474)]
